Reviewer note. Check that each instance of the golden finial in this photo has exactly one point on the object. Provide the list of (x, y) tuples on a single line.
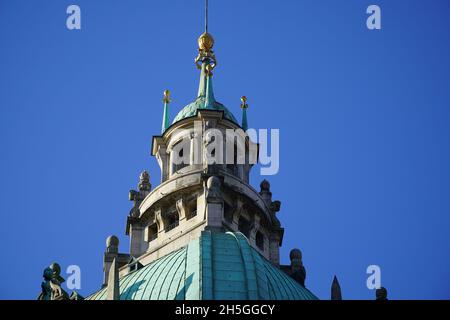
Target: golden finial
[(205, 52), (166, 98), (205, 42), (244, 104), (205, 45)]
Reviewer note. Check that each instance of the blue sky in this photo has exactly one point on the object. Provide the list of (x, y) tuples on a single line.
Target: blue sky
[(363, 116)]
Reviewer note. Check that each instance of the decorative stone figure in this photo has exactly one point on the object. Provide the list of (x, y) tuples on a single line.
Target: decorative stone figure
[(144, 181), (213, 187), (381, 294), (51, 286), (144, 187), (46, 293)]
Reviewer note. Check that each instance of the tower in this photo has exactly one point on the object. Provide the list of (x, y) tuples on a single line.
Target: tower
[(203, 187), (204, 232)]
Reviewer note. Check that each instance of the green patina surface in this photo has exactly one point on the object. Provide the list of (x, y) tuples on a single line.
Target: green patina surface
[(165, 122), (215, 266), (191, 110), (244, 122), (205, 100)]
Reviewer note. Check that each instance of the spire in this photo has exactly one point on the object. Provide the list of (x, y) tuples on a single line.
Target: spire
[(166, 100), (209, 94), (206, 61), (206, 15), (244, 107), (336, 290)]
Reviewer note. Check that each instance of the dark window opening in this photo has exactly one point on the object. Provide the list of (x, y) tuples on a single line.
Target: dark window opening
[(171, 221), (228, 213), (134, 266), (152, 232), (260, 240), (233, 167), (244, 226), (192, 210)]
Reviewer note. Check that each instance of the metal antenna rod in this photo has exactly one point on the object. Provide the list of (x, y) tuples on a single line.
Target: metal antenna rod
[(206, 15)]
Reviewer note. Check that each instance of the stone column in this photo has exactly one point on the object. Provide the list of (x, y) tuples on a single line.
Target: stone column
[(159, 220), (214, 204), (237, 214), (181, 209), (163, 161), (274, 248), (137, 240)]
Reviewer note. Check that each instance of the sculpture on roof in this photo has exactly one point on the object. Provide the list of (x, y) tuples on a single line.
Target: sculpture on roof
[(51, 286)]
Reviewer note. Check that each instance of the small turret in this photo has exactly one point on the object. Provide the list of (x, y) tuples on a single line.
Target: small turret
[(298, 271), (111, 257)]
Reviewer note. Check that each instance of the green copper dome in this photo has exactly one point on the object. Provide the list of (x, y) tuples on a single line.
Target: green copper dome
[(199, 103), (215, 266)]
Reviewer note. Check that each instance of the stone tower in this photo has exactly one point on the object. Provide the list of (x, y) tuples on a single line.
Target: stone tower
[(207, 188), (204, 232)]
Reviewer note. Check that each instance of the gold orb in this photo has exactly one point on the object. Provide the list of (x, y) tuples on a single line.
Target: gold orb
[(166, 98), (244, 104), (205, 41)]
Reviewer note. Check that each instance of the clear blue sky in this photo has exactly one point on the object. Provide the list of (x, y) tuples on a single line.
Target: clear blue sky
[(363, 117)]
